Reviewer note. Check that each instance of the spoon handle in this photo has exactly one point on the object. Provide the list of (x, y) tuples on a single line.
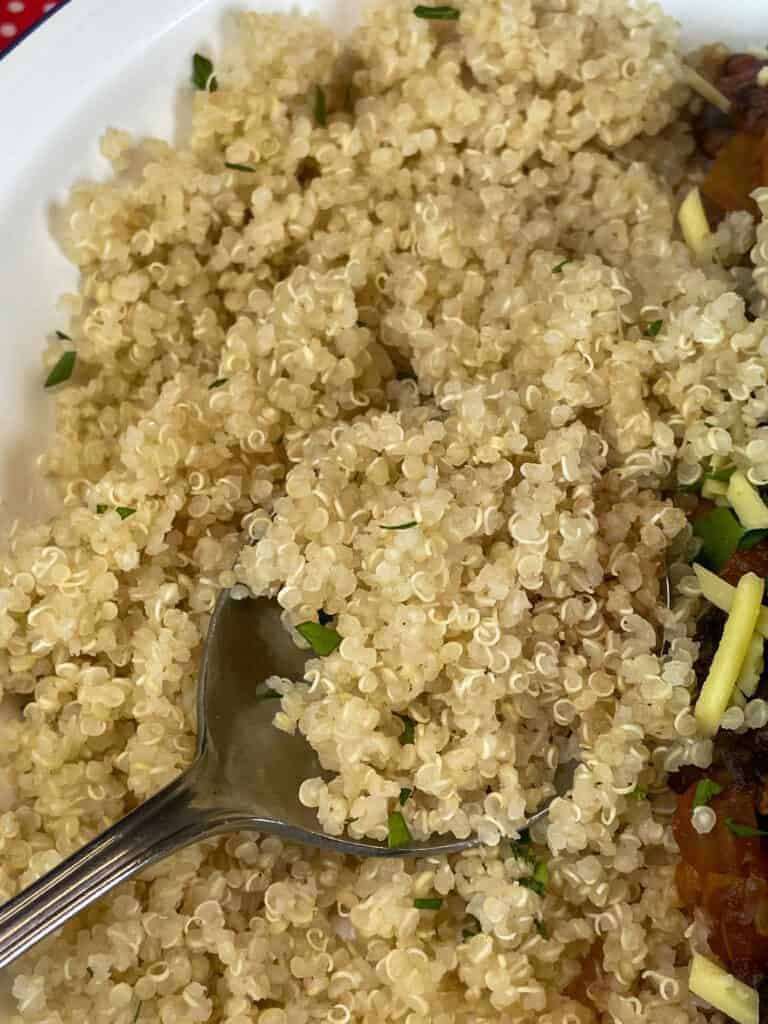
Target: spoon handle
[(166, 822)]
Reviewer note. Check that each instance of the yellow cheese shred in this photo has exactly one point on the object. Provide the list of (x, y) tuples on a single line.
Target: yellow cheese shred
[(747, 503), (721, 990), (726, 665), (706, 89), (721, 594)]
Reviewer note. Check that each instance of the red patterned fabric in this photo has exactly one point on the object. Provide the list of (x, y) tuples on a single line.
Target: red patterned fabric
[(19, 16)]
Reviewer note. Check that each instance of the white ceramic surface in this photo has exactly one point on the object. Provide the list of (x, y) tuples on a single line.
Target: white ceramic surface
[(127, 63)]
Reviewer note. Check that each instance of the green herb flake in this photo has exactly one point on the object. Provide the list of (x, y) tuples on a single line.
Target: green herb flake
[(744, 831), (720, 534), (402, 526), (62, 371), (705, 790), (398, 833), (321, 107), (62, 336), (652, 329), (521, 848), (541, 928), (638, 793), (202, 74), (409, 730), (442, 12), (322, 639), (405, 796), (539, 880), (245, 168), (752, 538), (218, 383), (101, 509), (722, 476), (430, 903), (558, 268), (124, 511)]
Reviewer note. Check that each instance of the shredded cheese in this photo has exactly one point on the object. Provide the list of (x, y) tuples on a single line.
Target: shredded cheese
[(721, 990), (726, 665), (721, 594), (695, 226), (706, 89), (747, 503)]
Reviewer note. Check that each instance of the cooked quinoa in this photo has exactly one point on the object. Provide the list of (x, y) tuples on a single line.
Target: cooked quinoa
[(440, 308)]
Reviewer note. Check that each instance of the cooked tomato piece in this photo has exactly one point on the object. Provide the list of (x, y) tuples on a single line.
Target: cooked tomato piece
[(737, 170)]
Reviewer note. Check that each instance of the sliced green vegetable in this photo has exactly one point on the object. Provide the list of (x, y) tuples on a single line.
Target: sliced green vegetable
[(202, 73), (752, 667), (432, 903), (398, 833), (442, 12), (558, 267), (720, 534), (747, 503), (721, 595), (321, 639), (652, 329), (218, 383), (721, 990), (705, 790), (409, 729), (124, 512), (695, 226), (401, 526), (321, 108), (62, 371), (405, 796), (539, 879), (744, 831), (541, 928), (729, 657), (246, 168), (62, 336)]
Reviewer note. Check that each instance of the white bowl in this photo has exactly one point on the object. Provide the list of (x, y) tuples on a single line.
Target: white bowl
[(93, 64)]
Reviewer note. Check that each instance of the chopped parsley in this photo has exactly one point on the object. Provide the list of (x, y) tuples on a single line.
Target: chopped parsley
[(405, 796), (402, 526), (101, 509), (441, 12), (62, 371), (321, 639), (398, 833), (558, 268), (638, 793), (62, 336), (705, 790), (430, 903), (246, 168), (751, 539), (539, 880), (124, 511), (521, 848), (321, 107), (409, 729), (218, 383), (720, 534), (744, 831), (541, 928), (202, 74), (652, 329)]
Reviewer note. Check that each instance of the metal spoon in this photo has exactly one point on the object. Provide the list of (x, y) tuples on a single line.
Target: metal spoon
[(246, 775)]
